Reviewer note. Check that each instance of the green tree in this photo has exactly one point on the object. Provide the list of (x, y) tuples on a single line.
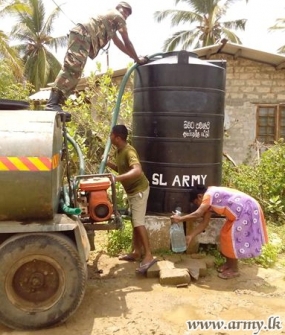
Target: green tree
[(34, 32), (7, 52), (265, 181), (10, 87), (279, 26), (92, 113), (203, 22)]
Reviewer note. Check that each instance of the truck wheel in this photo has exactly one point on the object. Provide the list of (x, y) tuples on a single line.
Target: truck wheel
[(42, 282)]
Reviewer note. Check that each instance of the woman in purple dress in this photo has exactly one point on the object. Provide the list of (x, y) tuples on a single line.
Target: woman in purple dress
[(244, 232)]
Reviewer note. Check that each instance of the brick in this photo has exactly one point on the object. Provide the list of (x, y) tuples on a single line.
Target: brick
[(197, 267), (154, 271), (174, 277)]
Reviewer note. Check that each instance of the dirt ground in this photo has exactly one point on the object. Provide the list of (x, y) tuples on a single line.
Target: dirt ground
[(119, 302)]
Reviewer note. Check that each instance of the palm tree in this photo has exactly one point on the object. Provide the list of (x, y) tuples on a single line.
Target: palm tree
[(203, 22), (34, 33), (7, 52), (279, 25)]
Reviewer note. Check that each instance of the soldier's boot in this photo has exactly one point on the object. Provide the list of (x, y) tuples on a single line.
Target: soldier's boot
[(55, 99)]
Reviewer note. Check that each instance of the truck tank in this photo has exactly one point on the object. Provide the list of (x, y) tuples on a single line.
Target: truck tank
[(30, 164)]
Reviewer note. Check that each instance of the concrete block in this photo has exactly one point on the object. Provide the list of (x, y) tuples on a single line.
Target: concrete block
[(196, 267), (153, 271), (158, 228), (174, 277), (174, 258), (211, 235), (193, 247), (197, 256), (166, 264), (209, 259)]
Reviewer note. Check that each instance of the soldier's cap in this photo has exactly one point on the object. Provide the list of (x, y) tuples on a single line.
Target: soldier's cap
[(125, 5)]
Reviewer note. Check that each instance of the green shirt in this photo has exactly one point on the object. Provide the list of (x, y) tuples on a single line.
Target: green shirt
[(125, 159)]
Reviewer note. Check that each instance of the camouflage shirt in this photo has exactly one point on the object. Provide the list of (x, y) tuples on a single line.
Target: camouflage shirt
[(102, 29)]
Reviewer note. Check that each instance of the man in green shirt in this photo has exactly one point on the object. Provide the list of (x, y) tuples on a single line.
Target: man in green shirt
[(136, 185)]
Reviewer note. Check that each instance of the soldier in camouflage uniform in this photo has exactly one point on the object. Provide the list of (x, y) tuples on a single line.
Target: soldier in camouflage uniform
[(86, 40)]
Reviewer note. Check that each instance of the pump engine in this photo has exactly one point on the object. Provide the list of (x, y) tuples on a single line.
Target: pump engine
[(93, 198)]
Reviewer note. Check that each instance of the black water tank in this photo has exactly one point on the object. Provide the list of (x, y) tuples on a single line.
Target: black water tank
[(178, 119)]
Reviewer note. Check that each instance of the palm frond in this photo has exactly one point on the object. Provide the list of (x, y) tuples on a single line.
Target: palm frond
[(281, 50), (177, 16), (279, 25), (49, 24), (231, 36), (182, 38), (33, 34), (12, 56), (207, 15), (13, 8), (236, 24), (58, 42)]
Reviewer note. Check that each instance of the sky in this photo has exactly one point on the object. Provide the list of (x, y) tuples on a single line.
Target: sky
[(148, 36)]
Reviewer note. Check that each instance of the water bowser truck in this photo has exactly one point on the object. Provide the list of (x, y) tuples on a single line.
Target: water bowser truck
[(47, 216)]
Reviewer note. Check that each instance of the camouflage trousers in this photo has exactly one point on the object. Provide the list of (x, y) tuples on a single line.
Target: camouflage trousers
[(79, 44)]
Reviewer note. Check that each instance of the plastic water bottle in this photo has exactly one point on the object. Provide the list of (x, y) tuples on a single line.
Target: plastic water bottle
[(177, 236)]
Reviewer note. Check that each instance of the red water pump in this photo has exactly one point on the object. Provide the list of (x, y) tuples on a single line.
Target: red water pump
[(94, 197)]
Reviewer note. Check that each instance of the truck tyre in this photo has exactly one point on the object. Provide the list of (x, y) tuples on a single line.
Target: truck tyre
[(43, 280)]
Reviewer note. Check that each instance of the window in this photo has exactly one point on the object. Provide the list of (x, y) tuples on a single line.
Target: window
[(270, 123)]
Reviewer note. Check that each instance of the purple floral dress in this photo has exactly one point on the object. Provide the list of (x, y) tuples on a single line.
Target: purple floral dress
[(244, 232)]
